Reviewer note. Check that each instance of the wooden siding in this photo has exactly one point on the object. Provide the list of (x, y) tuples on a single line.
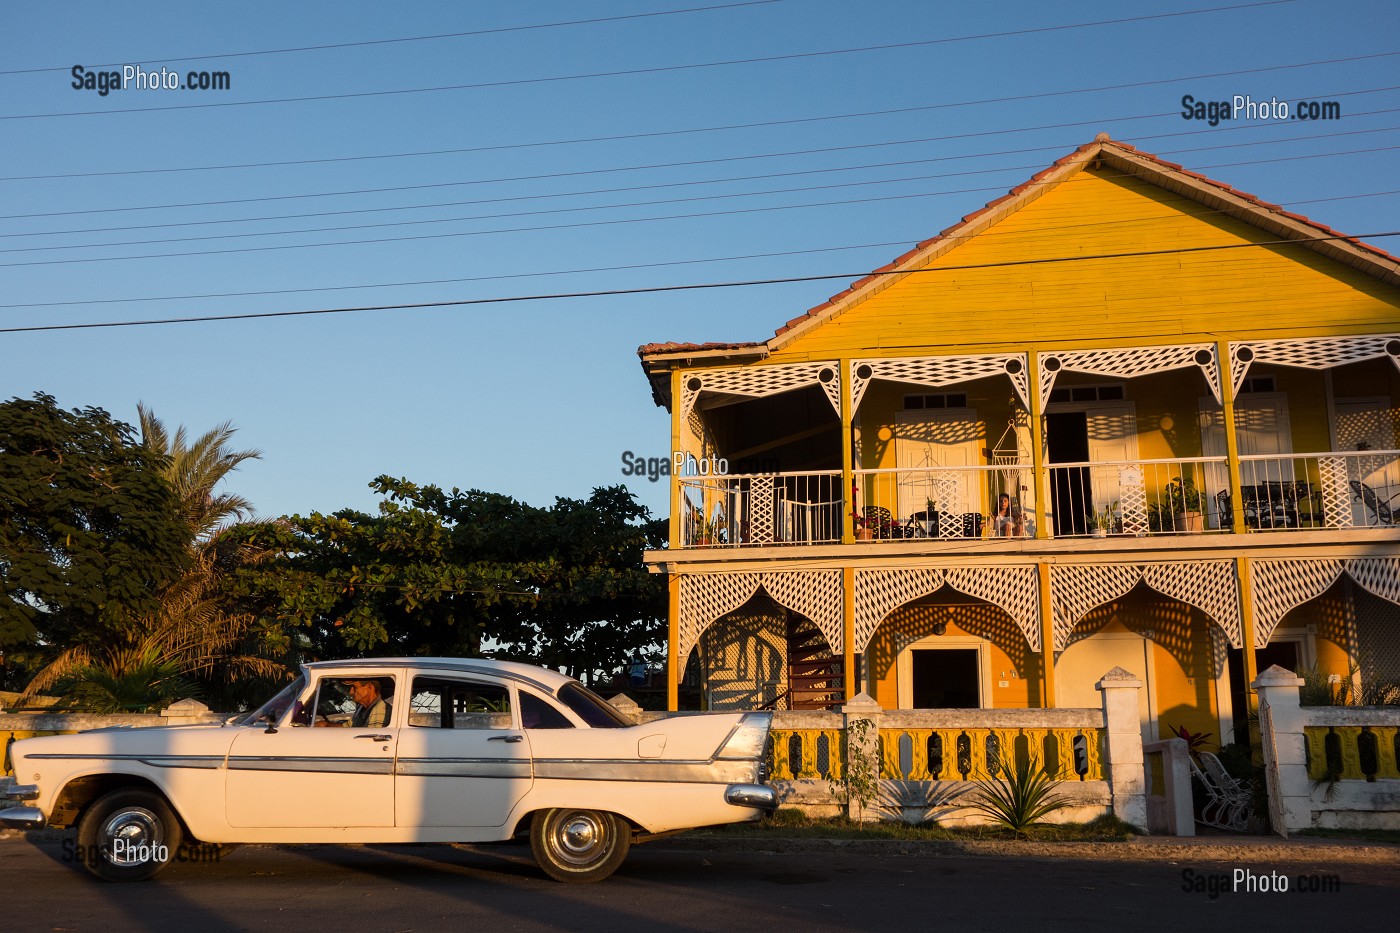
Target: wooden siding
[(1267, 292)]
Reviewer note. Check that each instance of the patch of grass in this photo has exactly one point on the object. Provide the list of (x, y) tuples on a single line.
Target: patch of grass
[(1389, 836), (791, 823)]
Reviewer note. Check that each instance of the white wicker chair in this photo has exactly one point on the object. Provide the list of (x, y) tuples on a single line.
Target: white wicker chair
[(1229, 803)]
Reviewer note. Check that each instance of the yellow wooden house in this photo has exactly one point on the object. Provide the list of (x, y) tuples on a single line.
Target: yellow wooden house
[(1125, 416)]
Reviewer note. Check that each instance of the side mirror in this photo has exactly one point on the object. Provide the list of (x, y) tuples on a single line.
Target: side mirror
[(271, 721)]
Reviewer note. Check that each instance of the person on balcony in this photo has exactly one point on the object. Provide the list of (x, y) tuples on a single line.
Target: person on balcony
[(1002, 522)]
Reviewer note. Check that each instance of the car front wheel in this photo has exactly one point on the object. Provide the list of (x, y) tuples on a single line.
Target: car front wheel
[(128, 835), (579, 845)]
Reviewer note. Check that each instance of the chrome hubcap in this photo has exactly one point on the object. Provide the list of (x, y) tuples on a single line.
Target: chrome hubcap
[(130, 836), (579, 838)]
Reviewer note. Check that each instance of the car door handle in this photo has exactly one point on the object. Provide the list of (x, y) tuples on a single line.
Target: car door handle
[(378, 737), (514, 737)]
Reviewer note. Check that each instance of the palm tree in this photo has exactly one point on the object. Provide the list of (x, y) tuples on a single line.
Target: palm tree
[(196, 634)]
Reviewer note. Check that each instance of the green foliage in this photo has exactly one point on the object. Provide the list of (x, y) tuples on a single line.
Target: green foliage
[(145, 681), (860, 778), (1025, 797), (89, 531), (465, 574), (1182, 495)]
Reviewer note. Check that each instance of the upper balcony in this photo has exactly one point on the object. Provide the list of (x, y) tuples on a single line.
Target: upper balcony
[(941, 448)]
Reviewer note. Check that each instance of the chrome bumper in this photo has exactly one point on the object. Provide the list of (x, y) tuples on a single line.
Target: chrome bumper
[(22, 818), (758, 796)]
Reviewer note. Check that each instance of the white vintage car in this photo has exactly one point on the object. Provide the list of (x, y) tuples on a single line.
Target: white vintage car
[(470, 751)]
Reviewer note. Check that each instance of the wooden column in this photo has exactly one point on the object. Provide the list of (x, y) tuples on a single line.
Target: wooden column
[(675, 528), (1038, 477), (674, 671), (1047, 634), (848, 531), (1251, 663), (848, 589), (1232, 446)]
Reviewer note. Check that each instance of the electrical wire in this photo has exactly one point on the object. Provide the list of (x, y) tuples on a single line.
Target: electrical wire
[(659, 289)]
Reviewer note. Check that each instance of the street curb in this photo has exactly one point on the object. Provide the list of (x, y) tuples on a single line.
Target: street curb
[(1145, 849)]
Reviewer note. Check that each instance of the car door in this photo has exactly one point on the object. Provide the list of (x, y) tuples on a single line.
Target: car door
[(295, 775), (463, 759)]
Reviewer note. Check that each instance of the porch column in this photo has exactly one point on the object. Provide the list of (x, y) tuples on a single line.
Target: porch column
[(1251, 663), (675, 525), (848, 531), (848, 593), (1232, 447), (1047, 633), (673, 632), (1042, 528)]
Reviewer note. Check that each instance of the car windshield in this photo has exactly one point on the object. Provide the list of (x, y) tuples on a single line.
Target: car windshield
[(276, 706), (591, 708)]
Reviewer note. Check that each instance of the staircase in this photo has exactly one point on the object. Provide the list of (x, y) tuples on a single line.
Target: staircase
[(816, 677)]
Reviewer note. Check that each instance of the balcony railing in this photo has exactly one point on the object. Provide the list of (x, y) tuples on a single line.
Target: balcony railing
[(1333, 490), (761, 509)]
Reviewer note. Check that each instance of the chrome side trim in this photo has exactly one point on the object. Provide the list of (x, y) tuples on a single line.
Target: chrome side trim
[(464, 767), (676, 772), (155, 761), (328, 765), (21, 792), (22, 818), (751, 795)]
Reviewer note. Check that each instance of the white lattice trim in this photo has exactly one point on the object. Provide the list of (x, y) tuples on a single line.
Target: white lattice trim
[(1212, 586), (938, 371), (1311, 352), (1380, 575), (1077, 588), (1129, 363), (818, 595), (1015, 590), (878, 592), (705, 597), (1280, 585), (762, 381)]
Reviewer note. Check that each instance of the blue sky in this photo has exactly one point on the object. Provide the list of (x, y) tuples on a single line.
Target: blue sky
[(539, 399)]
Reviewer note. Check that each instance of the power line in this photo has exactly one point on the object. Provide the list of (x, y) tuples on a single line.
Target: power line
[(633, 72), (618, 190), (647, 265), (373, 42), (614, 222), (658, 289), (653, 166)]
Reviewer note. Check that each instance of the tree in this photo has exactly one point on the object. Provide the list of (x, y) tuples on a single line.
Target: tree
[(89, 531), (468, 574)]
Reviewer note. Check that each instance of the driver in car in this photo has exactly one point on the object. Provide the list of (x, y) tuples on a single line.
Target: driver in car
[(371, 709)]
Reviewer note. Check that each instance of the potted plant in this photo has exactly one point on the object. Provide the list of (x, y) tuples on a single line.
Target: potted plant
[(1105, 521), (1183, 500)]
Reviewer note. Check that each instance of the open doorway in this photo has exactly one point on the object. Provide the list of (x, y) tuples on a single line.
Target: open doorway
[(1286, 654), (946, 678), (1071, 498)]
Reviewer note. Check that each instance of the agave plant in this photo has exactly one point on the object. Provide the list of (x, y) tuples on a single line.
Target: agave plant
[(1023, 798)]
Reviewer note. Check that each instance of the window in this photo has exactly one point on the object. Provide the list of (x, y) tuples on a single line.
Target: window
[(444, 703), (591, 708), (1257, 384), (1113, 392), (945, 400), (335, 702), (536, 713)]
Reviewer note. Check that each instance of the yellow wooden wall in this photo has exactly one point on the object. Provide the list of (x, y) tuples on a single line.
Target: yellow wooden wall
[(1261, 292)]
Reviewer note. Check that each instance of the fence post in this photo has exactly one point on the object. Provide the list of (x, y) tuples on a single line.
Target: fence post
[(1123, 737), (1281, 724), (187, 712), (862, 752), (627, 707)]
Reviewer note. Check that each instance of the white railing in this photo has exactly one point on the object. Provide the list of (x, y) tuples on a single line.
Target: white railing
[(761, 509), (1336, 490), (944, 502), (1344, 489), (1137, 497)]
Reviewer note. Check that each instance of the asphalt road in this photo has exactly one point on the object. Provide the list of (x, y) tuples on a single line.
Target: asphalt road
[(425, 888)]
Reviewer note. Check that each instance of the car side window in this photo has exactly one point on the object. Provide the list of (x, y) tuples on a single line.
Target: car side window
[(450, 703), (343, 700), (536, 713)]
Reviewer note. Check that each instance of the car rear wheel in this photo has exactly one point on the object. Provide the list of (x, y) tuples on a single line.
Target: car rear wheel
[(579, 845), (128, 835)]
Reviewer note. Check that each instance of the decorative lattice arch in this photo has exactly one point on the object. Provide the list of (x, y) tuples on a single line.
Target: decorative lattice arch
[(705, 597), (1129, 363), (938, 371), (1012, 589), (762, 381), (1282, 585), (1209, 585), (1311, 352)]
